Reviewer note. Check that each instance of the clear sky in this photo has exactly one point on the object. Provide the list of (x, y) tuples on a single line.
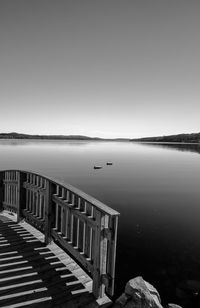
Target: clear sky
[(107, 68)]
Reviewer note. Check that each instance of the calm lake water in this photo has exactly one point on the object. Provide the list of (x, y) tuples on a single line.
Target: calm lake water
[(156, 188)]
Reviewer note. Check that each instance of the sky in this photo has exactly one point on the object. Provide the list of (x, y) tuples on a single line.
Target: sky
[(106, 68)]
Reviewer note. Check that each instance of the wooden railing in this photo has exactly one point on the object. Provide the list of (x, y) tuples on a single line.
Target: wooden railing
[(83, 226)]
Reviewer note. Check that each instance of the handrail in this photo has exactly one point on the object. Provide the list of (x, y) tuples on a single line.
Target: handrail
[(82, 225)]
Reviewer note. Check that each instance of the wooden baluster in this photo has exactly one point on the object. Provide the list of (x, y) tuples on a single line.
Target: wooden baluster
[(91, 243), (68, 218), (59, 217), (33, 202), (78, 226), (103, 254), (67, 213), (111, 256), (6, 188), (9, 189), (87, 241), (31, 194), (27, 193), (87, 233), (20, 194), (16, 191), (96, 274), (72, 220), (39, 206), (84, 234), (43, 198), (15, 194), (100, 254), (56, 206), (39, 199), (48, 211), (66, 221), (36, 196), (63, 213), (7, 192), (27, 199), (12, 190), (72, 228), (91, 237), (43, 206), (30, 200), (11, 194), (57, 212), (84, 229), (2, 190)]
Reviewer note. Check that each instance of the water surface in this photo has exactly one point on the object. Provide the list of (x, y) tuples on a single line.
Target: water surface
[(156, 188)]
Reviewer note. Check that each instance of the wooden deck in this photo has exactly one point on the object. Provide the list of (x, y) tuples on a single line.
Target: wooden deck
[(33, 274)]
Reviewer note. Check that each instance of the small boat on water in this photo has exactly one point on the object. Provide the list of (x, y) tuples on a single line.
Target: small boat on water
[(98, 167), (109, 163)]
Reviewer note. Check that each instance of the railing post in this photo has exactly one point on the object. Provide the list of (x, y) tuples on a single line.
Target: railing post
[(82, 225), (1, 190), (20, 195), (100, 260), (111, 257), (48, 213)]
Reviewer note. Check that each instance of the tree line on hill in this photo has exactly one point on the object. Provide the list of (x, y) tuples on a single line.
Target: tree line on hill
[(181, 138), (52, 137), (187, 138), (14, 135)]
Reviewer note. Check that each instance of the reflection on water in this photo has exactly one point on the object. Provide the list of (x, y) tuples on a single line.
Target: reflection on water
[(155, 188), (41, 142), (176, 146)]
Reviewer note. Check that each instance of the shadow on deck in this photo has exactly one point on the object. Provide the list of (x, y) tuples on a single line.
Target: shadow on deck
[(32, 275)]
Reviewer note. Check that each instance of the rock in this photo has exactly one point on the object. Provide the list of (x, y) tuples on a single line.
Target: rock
[(139, 294), (173, 306), (122, 300)]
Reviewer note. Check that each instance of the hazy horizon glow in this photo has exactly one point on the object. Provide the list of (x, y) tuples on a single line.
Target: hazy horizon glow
[(100, 68)]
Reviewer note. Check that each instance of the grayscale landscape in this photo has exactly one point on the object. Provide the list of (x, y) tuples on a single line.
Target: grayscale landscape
[(104, 96)]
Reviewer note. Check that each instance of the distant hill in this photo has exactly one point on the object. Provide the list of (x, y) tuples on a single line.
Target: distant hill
[(15, 135), (187, 138)]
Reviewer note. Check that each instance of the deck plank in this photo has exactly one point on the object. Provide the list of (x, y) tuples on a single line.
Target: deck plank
[(33, 274)]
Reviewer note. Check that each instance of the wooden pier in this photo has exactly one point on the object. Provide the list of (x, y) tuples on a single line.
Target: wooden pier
[(57, 244)]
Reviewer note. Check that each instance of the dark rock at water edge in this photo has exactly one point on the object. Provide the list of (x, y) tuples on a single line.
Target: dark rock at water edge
[(173, 306), (139, 293)]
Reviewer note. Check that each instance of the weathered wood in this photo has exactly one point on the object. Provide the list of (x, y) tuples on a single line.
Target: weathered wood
[(75, 253), (75, 211), (35, 221), (20, 195), (48, 212), (112, 242), (81, 224), (97, 286)]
